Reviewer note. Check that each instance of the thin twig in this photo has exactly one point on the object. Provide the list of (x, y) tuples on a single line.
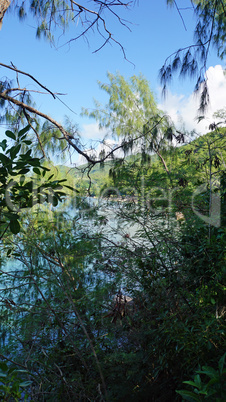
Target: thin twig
[(28, 75)]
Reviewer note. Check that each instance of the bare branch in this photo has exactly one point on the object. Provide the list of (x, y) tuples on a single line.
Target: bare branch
[(182, 19), (28, 75), (51, 16), (12, 361)]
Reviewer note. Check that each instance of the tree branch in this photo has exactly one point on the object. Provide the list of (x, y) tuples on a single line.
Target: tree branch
[(28, 75), (35, 131), (66, 135)]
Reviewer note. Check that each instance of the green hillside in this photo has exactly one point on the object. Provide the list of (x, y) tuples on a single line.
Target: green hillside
[(189, 165)]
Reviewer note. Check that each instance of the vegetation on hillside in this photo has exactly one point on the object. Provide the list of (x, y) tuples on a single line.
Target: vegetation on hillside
[(97, 311)]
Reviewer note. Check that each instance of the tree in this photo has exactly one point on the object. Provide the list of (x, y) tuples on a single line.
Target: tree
[(16, 103), (191, 61), (147, 302), (86, 16), (131, 115), (19, 99), (52, 251), (80, 337)]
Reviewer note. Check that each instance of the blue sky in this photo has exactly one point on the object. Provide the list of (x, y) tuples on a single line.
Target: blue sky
[(156, 32)]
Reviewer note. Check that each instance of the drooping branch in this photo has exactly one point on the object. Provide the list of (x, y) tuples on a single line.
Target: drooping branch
[(12, 361), (30, 76), (51, 15), (146, 131), (98, 18), (191, 61), (66, 135)]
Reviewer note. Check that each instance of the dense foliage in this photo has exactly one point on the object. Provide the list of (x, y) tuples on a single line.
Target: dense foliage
[(121, 297), (121, 301)]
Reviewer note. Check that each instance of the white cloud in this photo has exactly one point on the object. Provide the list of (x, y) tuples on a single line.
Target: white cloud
[(93, 132), (182, 108)]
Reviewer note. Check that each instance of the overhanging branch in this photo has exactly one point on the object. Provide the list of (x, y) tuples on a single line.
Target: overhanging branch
[(66, 135)]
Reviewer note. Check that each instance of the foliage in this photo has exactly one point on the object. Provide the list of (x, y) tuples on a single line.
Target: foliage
[(11, 383), (214, 388), (123, 302), (132, 116), (61, 13), (46, 138), (191, 61), (48, 305), (18, 190), (120, 301)]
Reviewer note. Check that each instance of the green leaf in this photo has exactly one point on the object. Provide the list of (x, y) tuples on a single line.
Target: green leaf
[(14, 226), (213, 381), (27, 142), (57, 181), (23, 131), (4, 159), (16, 255), (27, 155), (14, 173), (25, 384), (34, 162), (189, 396), (14, 151), (10, 134), (3, 145), (55, 201), (11, 216), (60, 194), (37, 171), (71, 188), (9, 251), (24, 171), (208, 371), (22, 371), (22, 179), (221, 363), (3, 366), (29, 185), (192, 383), (198, 381)]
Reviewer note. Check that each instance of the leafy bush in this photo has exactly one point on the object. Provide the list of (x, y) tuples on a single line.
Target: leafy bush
[(211, 388), (12, 385)]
